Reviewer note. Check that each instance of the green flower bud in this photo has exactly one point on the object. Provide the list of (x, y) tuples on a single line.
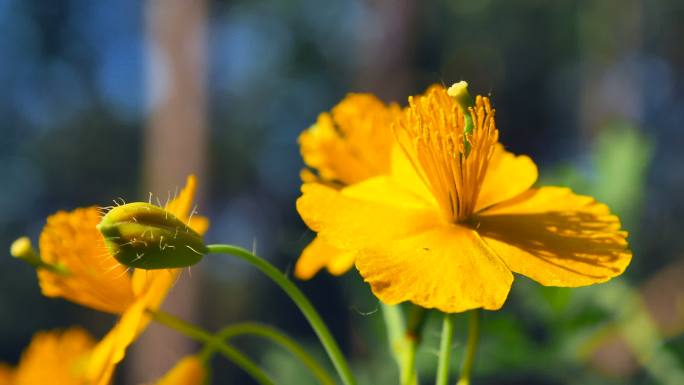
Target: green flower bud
[(148, 237)]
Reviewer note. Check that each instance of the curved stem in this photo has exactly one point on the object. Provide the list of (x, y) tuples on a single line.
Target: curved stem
[(204, 336), (301, 301), (445, 350), (471, 348), (276, 336)]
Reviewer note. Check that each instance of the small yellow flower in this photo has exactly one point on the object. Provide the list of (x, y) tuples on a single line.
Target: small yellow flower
[(188, 371), (348, 145), (458, 215), (61, 357), (95, 279), (54, 357)]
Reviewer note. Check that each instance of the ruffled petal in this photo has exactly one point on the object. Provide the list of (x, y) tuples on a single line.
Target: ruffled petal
[(507, 175), (448, 267), (556, 237), (55, 357), (368, 213), (352, 142), (319, 254), (95, 278)]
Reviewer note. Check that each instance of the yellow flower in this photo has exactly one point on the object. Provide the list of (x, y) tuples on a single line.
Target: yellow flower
[(95, 279), (348, 145), (54, 357), (458, 215), (61, 357)]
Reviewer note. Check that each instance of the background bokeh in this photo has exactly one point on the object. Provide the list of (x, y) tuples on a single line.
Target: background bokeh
[(108, 99)]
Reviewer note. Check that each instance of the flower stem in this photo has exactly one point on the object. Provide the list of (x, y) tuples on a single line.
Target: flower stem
[(204, 336), (275, 336), (412, 336), (402, 342), (445, 350), (301, 301), (471, 348)]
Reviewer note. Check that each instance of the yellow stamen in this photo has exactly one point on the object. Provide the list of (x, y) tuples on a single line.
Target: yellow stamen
[(451, 161)]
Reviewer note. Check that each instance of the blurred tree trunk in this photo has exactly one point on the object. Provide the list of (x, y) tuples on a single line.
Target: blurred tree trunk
[(386, 50), (175, 147)]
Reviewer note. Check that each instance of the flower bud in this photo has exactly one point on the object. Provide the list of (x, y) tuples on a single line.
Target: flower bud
[(148, 237)]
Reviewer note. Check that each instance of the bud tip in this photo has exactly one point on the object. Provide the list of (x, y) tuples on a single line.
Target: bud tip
[(22, 248)]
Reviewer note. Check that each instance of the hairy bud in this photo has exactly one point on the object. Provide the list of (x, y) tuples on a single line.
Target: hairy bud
[(148, 237)]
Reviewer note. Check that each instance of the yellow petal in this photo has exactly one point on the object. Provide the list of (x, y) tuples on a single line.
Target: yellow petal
[(341, 264), (151, 288), (352, 142), (188, 371), (319, 254), (364, 214), (557, 238), (112, 348), (508, 175), (95, 278), (55, 357), (182, 207), (404, 174), (448, 267)]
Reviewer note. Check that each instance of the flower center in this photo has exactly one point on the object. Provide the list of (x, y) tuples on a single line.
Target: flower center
[(449, 144)]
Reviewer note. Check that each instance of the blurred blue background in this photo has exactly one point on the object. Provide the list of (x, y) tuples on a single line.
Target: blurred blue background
[(115, 99)]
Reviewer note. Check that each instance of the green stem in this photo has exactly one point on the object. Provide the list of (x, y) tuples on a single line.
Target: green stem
[(204, 336), (401, 344), (301, 301), (276, 336), (412, 337), (445, 350), (408, 364), (471, 348)]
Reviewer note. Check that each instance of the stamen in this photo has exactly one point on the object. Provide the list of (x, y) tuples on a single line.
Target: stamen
[(449, 146)]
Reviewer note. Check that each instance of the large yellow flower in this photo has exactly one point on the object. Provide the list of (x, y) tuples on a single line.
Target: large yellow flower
[(458, 215), (348, 145), (95, 279), (61, 357)]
